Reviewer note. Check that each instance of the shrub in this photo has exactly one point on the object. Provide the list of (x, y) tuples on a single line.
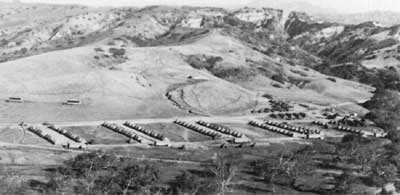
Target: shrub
[(276, 85), (384, 44), (242, 74), (385, 109), (3, 42), (203, 61), (278, 78), (104, 174), (117, 52), (268, 96), (111, 43), (24, 50), (193, 183), (299, 73), (394, 136), (332, 79), (98, 49)]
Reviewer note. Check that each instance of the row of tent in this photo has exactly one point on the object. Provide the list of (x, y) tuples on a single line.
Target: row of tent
[(349, 129), (302, 130), (67, 134), (243, 145), (348, 121), (334, 122), (288, 116), (320, 123), (262, 110), (271, 128), (123, 131), (197, 129), (145, 131), (40, 134), (339, 127), (220, 129)]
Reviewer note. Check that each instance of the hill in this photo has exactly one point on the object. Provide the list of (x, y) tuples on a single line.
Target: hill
[(366, 52), (387, 18), (163, 61)]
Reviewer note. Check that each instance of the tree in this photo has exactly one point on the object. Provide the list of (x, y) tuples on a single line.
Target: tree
[(384, 107), (189, 183), (224, 170), (97, 173), (276, 169)]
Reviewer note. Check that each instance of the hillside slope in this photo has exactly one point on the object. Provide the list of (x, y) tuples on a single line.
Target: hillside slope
[(369, 43), (156, 82), (162, 62), (366, 52)]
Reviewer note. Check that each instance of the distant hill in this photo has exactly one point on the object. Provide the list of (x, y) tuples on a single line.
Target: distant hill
[(294, 5), (387, 18), (367, 52)]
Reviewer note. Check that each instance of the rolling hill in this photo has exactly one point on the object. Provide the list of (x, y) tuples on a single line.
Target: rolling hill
[(159, 62)]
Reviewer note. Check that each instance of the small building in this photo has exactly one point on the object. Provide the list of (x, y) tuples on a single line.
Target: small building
[(73, 102), (15, 100)]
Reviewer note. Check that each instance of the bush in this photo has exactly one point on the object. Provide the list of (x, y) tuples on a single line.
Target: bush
[(278, 78), (394, 136), (384, 44), (117, 52), (96, 173), (242, 74), (276, 85), (111, 43), (98, 49), (203, 61), (332, 79), (268, 96), (193, 183), (299, 73), (384, 109)]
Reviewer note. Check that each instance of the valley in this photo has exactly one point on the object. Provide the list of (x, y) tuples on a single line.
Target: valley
[(185, 88)]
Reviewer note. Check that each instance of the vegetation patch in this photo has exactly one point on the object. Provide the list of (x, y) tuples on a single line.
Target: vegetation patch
[(386, 78), (279, 78), (384, 109), (203, 61), (117, 52)]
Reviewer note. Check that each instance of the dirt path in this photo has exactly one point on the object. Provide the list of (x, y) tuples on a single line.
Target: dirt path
[(55, 149), (192, 119), (175, 94), (220, 119)]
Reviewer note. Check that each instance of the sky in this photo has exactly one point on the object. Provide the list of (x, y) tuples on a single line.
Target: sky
[(339, 5)]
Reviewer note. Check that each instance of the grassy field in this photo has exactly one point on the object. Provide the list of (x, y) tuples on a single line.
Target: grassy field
[(19, 136), (99, 134), (252, 132), (176, 133)]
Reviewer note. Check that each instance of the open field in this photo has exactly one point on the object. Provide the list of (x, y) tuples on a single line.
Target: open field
[(100, 135), (18, 135), (252, 132), (176, 133)]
